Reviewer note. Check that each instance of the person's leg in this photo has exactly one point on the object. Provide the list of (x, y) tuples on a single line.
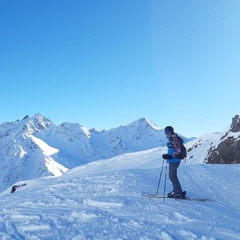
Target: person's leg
[(173, 177)]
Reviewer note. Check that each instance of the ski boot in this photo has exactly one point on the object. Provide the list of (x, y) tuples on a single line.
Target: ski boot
[(171, 194), (180, 195)]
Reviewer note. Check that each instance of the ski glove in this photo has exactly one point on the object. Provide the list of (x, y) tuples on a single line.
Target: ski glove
[(167, 156)]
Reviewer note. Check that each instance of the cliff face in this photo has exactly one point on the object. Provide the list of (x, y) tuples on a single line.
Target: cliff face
[(235, 126), (228, 148)]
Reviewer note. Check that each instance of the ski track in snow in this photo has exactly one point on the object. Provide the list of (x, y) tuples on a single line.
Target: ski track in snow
[(102, 200)]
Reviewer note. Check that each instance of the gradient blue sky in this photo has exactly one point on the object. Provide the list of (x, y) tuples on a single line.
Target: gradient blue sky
[(106, 63)]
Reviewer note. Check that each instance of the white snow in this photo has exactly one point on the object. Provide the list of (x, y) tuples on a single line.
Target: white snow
[(47, 150), (102, 200)]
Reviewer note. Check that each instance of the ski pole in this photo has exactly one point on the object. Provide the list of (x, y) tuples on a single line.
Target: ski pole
[(164, 190), (160, 176)]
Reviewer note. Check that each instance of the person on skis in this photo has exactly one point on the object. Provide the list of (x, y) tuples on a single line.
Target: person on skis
[(174, 150)]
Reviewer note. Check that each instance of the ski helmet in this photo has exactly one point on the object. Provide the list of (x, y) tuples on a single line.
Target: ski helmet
[(169, 129)]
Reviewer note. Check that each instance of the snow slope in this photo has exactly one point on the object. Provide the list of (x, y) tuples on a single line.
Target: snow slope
[(102, 200), (198, 148)]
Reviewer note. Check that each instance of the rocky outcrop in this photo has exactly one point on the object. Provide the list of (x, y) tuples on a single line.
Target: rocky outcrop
[(235, 126), (228, 149)]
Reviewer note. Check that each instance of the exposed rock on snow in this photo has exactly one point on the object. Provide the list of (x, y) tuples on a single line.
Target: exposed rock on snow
[(228, 148)]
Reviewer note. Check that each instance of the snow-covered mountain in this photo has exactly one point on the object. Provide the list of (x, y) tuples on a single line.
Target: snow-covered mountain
[(78, 145), (102, 200), (36, 147), (23, 156)]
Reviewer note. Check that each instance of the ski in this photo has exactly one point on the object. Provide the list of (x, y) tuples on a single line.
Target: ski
[(194, 199), (154, 195)]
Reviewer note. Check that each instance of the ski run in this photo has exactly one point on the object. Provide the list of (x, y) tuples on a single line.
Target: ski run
[(103, 200)]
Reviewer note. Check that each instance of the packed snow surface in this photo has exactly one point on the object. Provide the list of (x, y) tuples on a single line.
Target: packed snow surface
[(102, 200)]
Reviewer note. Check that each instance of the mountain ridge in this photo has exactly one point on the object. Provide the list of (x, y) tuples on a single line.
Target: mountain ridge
[(35, 147)]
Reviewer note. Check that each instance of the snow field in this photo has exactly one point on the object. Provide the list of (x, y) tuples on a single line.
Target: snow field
[(102, 200)]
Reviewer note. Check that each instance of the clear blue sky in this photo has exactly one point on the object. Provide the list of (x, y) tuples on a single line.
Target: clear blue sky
[(106, 63)]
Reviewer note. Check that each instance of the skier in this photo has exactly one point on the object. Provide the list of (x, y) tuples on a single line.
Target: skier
[(174, 150)]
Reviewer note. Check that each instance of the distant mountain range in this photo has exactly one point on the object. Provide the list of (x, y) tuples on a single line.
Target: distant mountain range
[(35, 147)]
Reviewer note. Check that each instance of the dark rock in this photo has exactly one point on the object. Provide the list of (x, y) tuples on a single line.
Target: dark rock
[(228, 151)]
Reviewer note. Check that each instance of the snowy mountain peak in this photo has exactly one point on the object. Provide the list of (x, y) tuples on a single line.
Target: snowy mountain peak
[(150, 123), (143, 123), (31, 125), (37, 123), (23, 156), (27, 126), (25, 117)]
